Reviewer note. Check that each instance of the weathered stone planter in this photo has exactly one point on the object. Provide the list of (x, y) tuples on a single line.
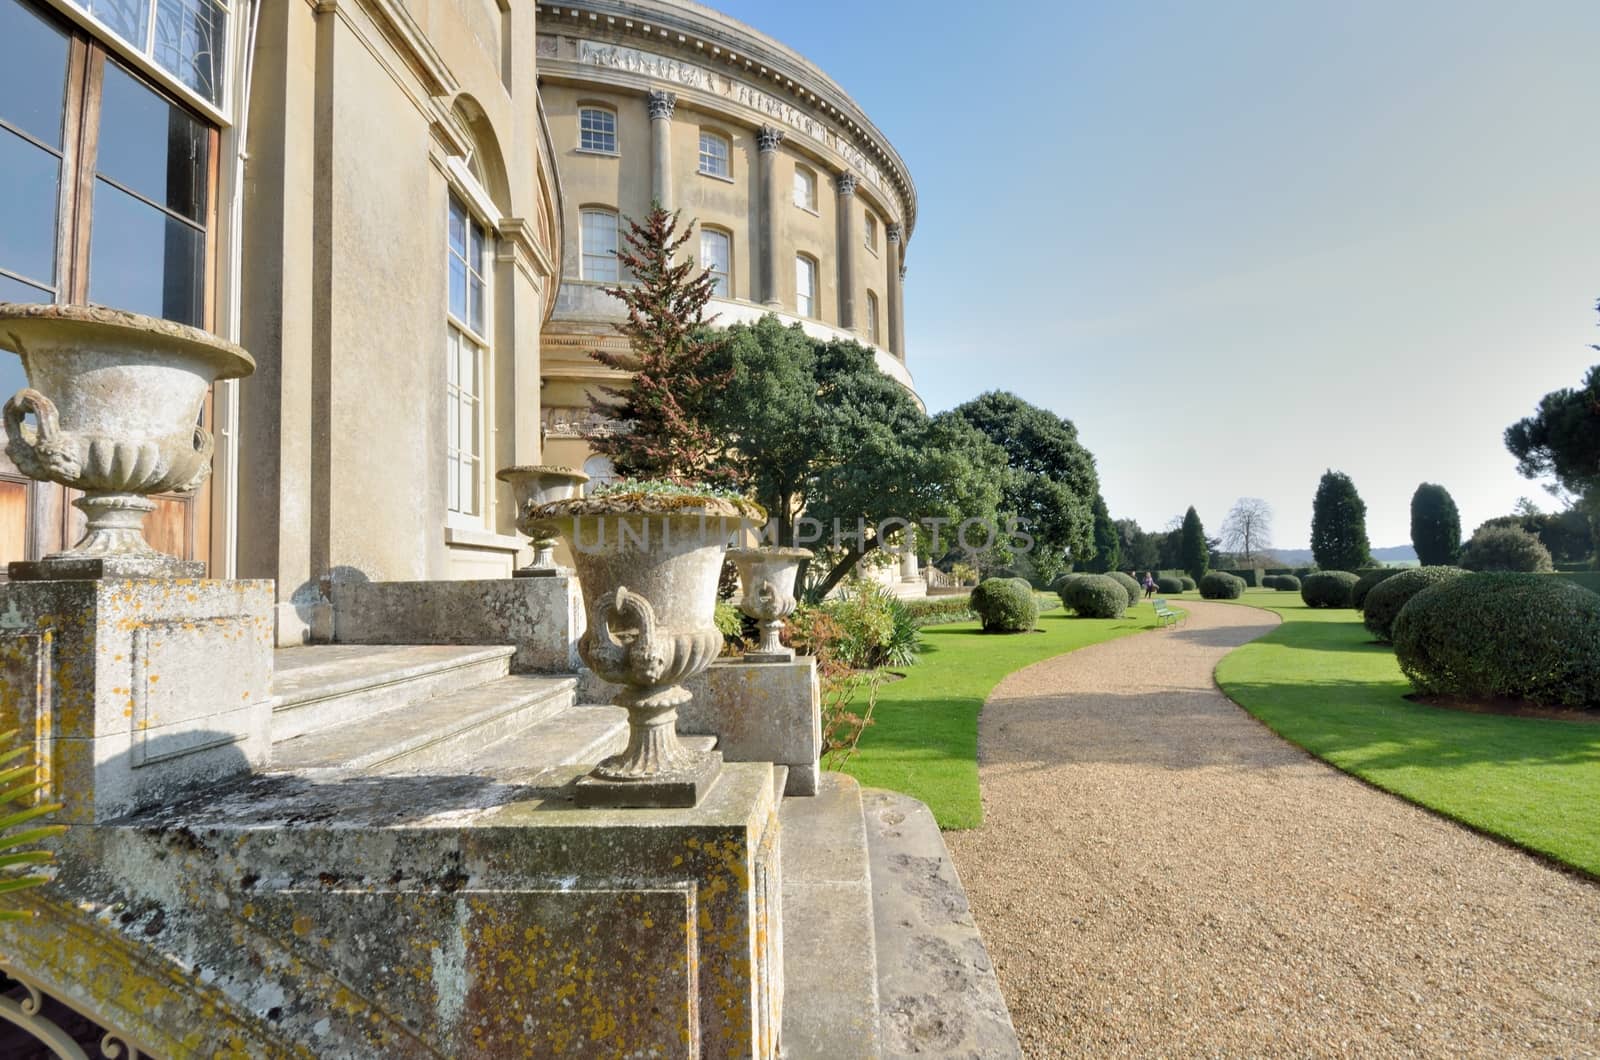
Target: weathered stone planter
[(768, 576), (116, 397), (532, 485), (648, 565)]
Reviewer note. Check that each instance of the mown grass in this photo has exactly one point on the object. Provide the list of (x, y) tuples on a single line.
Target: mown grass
[(1321, 683), (924, 739)]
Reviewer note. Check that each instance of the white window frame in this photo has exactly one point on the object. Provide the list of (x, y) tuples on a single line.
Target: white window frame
[(709, 160), (805, 265), (869, 231), (582, 132), (585, 271), (140, 54), (479, 399), (724, 276), (805, 176)]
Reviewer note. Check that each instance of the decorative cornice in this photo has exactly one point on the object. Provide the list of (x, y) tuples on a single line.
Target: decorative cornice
[(768, 138), (661, 104), (519, 233), (846, 183), (892, 230)]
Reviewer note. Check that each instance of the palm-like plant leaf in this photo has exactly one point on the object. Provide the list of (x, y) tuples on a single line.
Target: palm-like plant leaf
[(16, 785)]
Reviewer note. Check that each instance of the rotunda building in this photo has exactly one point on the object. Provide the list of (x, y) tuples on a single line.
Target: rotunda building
[(801, 205)]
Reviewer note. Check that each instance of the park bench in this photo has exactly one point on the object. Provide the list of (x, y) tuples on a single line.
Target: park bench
[(1164, 614)]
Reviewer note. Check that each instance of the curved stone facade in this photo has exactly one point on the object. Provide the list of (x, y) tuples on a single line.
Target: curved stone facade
[(794, 191)]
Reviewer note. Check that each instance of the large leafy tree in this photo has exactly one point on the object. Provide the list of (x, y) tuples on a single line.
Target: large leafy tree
[(1107, 542), (813, 429), (1435, 526), (1050, 482), (1140, 550), (1339, 525), (670, 350), (1195, 555), (1562, 439)]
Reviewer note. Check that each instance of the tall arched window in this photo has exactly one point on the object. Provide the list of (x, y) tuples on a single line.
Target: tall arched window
[(805, 285), (715, 155), (872, 318), (599, 235), (467, 362), (716, 257)]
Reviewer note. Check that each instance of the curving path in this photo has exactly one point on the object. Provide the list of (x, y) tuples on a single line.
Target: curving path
[(1159, 874)]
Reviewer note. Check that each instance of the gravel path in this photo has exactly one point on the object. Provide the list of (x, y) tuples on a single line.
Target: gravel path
[(1158, 874)]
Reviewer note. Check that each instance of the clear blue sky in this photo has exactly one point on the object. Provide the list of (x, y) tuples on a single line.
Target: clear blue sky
[(1238, 243)]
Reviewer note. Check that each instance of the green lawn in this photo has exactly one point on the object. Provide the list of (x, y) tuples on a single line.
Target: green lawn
[(1319, 682), (924, 740)]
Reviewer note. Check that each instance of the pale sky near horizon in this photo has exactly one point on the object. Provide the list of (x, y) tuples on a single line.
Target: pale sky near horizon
[(1238, 243)]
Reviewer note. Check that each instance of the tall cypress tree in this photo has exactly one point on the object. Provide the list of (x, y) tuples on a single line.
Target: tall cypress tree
[(1339, 525), (1196, 557), (1107, 540), (1435, 526)]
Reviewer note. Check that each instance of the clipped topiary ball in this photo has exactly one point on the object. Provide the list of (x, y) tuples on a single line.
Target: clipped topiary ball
[(1095, 596), (1220, 586), (1134, 590), (1287, 583), (1366, 580), (1388, 597), (1503, 635), (1169, 585), (1505, 548), (1328, 588), (1006, 605), (1188, 583)]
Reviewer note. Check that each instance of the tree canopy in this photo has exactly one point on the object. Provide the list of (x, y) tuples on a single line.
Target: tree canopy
[(1339, 525), (1107, 541), (814, 427), (1247, 530), (1050, 482), (1435, 526)]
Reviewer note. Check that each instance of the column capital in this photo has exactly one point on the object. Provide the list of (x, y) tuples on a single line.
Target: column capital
[(768, 137), (661, 104), (846, 183), (892, 230)]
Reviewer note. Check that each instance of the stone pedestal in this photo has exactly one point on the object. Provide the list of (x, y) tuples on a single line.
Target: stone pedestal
[(770, 713), (134, 691), (434, 916)]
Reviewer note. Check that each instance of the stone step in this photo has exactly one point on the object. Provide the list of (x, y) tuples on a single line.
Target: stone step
[(321, 686), (435, 733), (830, 1005), (936, 986), (582, 733)]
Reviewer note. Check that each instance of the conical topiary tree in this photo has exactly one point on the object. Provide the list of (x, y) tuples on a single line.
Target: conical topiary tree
[(1107, 540), (1339, 525), (1435, 526), (1196, 557)]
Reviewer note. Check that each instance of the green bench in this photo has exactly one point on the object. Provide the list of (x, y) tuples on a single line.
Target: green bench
[(1164, 614)]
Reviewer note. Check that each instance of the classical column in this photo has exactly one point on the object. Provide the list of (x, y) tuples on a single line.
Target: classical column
[(908, 566), (661, 104), (767, 140), (846, 183), (897, 275)]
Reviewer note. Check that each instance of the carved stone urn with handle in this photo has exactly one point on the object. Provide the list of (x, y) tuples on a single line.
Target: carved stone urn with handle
[(533, 485), (648, 564), (768, 575), (115, 399)]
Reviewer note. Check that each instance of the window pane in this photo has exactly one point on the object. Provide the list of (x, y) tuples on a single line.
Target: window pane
[(597, 129), (33, 72), (152, 146), (458, 227), (191, 43), (475, 306), (143, 260), (458, 287), (29, 184), (127, 18)]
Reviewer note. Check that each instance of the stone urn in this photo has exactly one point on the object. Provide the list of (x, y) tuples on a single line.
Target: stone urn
[(115, 398), (767, 575), (648, 564), (535, 484)]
